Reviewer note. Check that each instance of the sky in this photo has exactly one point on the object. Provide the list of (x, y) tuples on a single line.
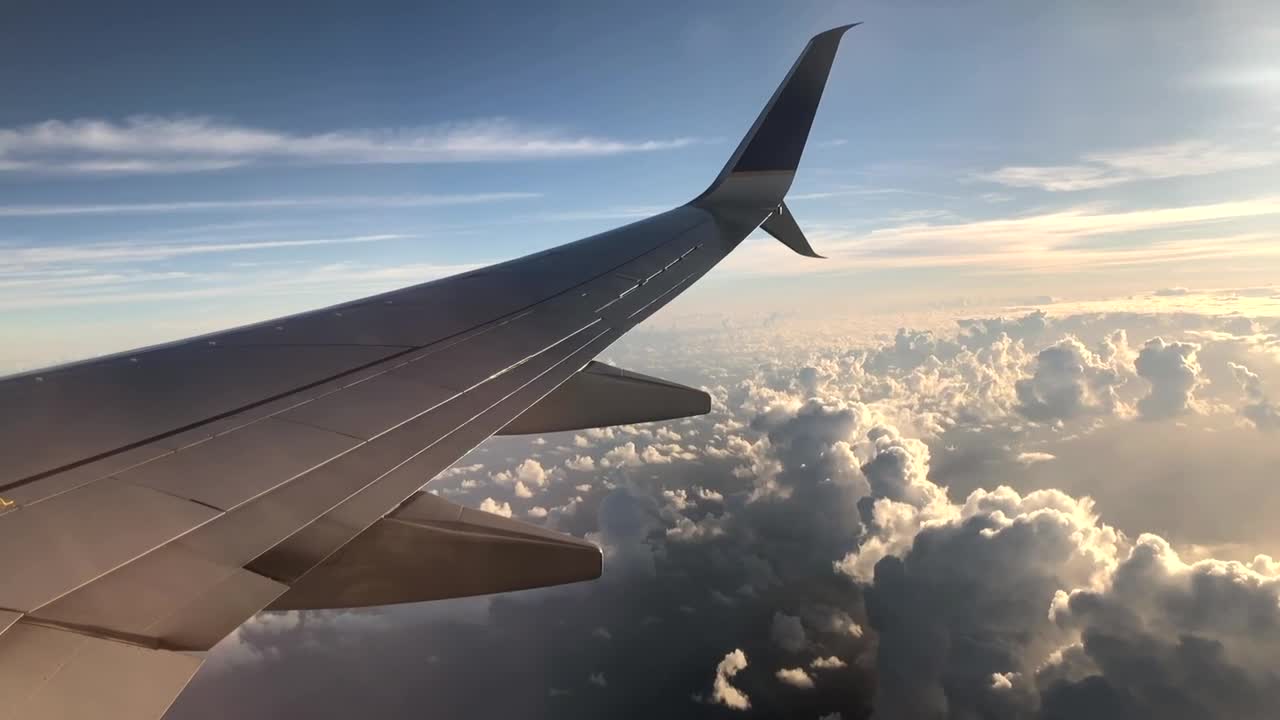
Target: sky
[(165, 171), (1007, 452)]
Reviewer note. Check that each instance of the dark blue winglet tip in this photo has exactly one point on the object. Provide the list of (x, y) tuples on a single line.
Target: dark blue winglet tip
[(837, 31)]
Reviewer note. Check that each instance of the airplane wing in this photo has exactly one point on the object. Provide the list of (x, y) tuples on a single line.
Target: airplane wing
[(152, 501)]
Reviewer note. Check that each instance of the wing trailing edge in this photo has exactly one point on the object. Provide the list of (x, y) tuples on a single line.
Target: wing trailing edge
[(601, 395), (433, 549)]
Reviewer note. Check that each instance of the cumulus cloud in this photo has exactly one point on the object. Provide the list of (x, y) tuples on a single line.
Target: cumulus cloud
[(722, 691), (667, 434), (969, 597), (528, 473), (795, 677), (1174, 374), (581, 463), (624, 455), (828, 663), (1003, 681), (1071, 381), (850, 520), (490, 505), (1012, 605), (1169, 638), (1258, 409), (708, 495), (902, 501)]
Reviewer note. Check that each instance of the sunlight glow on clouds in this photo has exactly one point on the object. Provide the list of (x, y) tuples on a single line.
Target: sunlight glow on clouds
[(1104, 169), (1039, 242), (917, 556)]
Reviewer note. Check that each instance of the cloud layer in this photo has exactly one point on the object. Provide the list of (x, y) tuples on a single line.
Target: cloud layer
[(815, 522)]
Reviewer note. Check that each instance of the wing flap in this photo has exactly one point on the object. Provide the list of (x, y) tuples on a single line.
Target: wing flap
[(600, 395), (432, 549)]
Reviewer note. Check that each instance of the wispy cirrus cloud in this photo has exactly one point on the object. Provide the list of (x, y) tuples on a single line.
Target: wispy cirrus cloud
[(1039, 242), (333, 282), (1105, 169), (26, 256), (150, 145), (632, 212), (348, 201)]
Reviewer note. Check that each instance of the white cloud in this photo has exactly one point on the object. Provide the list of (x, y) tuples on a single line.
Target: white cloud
[(344, 201), (581, 463), (1172, 634), (795, 677), (528, 473), (1070, 381), (623, 455), (150, 144), (1174, 374), (333, 282), (1031, 458), (982, 603), (722, 691), (457, 470), (708, 495), (1040, 242), (537, 511), (25, 256), (1003, 681), (1104, 169), (828, 663), (1258, 409), (677, 500), (490, 505), (667, 434)]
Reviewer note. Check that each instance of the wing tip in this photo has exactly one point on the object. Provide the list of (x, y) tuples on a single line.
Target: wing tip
[(770, 152)]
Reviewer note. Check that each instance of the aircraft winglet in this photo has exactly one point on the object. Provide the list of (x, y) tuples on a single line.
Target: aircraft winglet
[(782, 225), (760, 171)]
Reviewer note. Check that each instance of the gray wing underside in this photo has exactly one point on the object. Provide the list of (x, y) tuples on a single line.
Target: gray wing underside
[(151, 502), (170, 543)]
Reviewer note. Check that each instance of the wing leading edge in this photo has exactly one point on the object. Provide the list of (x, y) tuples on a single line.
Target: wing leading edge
[(152, 501)]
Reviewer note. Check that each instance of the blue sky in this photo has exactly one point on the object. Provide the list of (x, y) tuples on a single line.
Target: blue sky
[(165, 171)]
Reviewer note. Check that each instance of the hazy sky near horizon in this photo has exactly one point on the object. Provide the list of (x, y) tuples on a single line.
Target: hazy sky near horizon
[(167, 171)]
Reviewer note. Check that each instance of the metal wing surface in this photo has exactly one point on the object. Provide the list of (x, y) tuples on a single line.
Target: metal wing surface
[(152, 501)]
